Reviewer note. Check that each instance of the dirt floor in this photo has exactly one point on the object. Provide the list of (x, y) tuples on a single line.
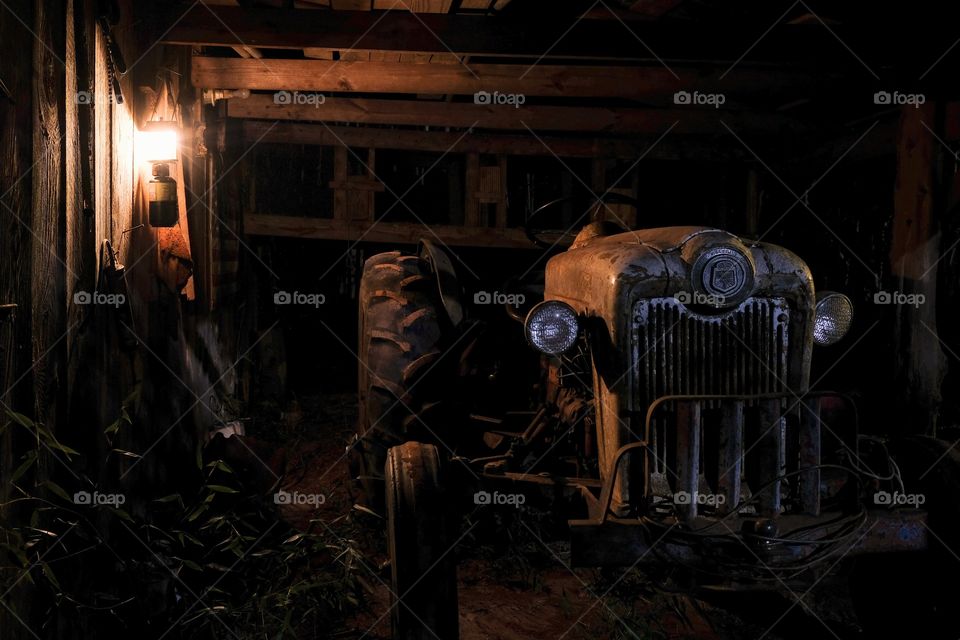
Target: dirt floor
[(514, 583)]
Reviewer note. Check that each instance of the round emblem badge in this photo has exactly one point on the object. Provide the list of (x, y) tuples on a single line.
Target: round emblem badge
[(724, 275)]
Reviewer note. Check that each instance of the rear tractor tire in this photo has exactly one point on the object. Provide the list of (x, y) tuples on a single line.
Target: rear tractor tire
[(403, 376)]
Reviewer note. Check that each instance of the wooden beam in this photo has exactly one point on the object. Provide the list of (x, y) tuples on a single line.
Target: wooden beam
[(367, 76), (256, 131), (631, 11), (654, 8), (400, 77), (385, 232), (538, 118), (914, 258), (555, 34), (417, 6)]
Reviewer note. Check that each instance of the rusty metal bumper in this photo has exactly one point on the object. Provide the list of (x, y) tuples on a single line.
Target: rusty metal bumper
[(626, 541)]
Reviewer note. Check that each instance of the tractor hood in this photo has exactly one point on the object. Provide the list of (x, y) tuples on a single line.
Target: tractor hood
[(600, 275), (707, 276)]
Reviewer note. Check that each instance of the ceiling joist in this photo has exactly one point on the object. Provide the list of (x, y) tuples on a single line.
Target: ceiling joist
[(293, 226), (402, 31), (524, 144), (636, 83), (503, 117), (555, 36)]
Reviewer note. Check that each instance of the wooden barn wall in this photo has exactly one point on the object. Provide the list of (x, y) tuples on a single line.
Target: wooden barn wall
[(48, 215), (155, 379), (16, 245), (69, 179), (16, 158)]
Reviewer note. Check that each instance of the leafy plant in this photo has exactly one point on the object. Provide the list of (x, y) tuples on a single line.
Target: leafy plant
[(214, 562)]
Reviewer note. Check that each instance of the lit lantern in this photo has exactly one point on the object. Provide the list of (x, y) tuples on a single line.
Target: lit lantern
[(157, 144)]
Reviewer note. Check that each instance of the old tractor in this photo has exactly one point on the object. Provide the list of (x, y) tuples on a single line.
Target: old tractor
[(668, 396)]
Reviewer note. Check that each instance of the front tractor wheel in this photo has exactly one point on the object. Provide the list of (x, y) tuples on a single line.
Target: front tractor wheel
[(421, 534)]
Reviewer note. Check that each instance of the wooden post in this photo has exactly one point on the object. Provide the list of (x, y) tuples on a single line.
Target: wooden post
[(502, 200), (339, 179), (598, 175), (48, 275), (920, 362), (471, 206), (81, 244), (353, 195)]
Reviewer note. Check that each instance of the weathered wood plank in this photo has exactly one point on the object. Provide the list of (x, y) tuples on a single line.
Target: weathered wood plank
[(654, 8), (434, 141), (417, 6), (80, 240), (16, 113), (376, 75), (451, 142), (558, 33), (386, 232), (47, 220), (538, 118), (102, 151), (401, 31)]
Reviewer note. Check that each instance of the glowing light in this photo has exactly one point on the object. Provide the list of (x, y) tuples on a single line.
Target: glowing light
[(157, 142)]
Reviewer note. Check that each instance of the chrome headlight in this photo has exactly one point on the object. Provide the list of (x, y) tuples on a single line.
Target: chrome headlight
[(552, 327), (834, 315)]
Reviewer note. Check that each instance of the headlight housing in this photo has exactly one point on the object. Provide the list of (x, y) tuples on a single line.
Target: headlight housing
[(552, 327), (834, 315)]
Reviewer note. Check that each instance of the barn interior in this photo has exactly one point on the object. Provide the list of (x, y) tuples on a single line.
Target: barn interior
[(201, 203)]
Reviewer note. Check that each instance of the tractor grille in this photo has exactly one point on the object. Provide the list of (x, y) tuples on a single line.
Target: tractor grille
[(743, 352), (740, 352)]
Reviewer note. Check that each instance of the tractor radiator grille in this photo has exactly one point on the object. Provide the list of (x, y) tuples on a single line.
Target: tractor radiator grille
[(739, 352)]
